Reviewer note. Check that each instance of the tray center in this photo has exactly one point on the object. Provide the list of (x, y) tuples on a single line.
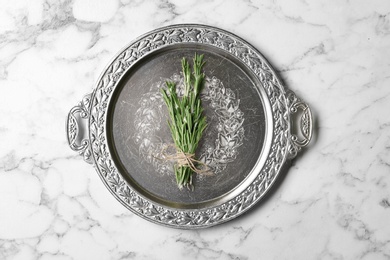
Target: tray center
[(231, 145)]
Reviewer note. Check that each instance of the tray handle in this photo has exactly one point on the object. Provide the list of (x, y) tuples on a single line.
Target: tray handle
[(301, 124), (77, 128)]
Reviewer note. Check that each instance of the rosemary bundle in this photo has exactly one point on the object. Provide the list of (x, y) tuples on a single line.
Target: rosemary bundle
[(187, 121)]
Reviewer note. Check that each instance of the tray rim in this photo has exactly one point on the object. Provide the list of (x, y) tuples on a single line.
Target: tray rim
[(188, 218)]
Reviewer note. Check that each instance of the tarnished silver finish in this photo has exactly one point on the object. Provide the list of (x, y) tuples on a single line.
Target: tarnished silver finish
[(254, 126)]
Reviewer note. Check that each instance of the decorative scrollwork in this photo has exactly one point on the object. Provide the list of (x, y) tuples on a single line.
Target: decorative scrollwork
[(97, 120), (229, 127), (305, 123), (77, 128)]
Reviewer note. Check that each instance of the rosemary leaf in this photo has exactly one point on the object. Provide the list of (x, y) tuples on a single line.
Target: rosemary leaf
[(186, 119)]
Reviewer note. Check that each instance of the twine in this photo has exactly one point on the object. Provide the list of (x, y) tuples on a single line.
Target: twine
[(183, 159)]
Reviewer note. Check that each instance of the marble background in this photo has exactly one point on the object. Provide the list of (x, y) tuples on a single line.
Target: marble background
[(334, 202)]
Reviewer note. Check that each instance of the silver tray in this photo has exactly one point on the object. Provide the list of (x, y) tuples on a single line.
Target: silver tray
[(255, 126)]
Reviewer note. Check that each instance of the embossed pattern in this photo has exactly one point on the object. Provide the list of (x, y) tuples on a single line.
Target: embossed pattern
[(202, 217), (73, 128), (215, 155)]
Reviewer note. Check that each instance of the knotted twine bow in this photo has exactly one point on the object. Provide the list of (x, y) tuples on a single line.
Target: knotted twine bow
[(183, 159)]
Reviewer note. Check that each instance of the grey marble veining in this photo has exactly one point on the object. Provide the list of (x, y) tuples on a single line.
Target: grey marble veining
[(334, 202)]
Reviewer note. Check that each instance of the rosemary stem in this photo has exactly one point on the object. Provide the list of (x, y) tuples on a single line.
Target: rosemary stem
[(186, 119)]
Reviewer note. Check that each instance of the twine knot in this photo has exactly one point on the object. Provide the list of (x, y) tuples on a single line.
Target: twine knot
[(184, 159)]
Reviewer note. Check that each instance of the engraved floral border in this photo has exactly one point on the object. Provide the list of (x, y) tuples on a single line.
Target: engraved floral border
[(101, 154)]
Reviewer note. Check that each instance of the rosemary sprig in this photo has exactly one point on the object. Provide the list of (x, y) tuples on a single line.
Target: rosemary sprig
[(187, 121)]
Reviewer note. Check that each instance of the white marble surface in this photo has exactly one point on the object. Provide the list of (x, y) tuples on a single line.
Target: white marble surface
[(334, 202)]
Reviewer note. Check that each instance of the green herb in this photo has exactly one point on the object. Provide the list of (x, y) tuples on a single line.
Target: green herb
[(187, 121)]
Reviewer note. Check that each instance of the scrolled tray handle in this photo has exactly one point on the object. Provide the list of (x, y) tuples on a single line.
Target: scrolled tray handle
[(301, 122), (77, 128)]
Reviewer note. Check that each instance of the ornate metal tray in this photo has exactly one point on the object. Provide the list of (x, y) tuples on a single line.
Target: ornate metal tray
[(255, 126)]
